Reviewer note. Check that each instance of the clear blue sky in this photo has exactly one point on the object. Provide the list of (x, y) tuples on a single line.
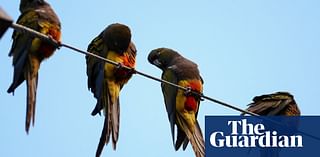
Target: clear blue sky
[(243, 48)]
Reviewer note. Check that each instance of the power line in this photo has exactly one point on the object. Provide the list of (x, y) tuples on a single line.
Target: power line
[(157, 79), (34, 33), (57, 44)]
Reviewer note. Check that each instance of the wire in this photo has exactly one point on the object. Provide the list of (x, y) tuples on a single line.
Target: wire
[(187, 90), (159, 80)]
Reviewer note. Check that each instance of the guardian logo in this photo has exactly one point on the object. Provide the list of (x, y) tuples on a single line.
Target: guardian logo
[(252, 136), (246, 136)]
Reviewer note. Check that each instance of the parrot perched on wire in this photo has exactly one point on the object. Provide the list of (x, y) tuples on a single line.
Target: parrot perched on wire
[(106, 80), (182, 107), (276, 104), (29, 51)]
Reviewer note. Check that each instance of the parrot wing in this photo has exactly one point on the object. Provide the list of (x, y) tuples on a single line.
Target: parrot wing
[(271, 104), (169, 93), (95, 71), (21, 45)]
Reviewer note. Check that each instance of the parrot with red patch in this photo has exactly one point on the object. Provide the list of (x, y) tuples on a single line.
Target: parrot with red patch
[(276, 104), (182, 107), (106, 80), (29, 51)]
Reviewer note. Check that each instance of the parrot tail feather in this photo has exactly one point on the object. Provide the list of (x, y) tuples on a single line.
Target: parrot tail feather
[(103, 137), (185, 143), (199, 139), (181, 138), (96, 109), (32, 83), (115, 119), (196, 140)]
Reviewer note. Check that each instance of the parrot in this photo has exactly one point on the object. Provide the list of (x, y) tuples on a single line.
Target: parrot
[(29, 51), (276, 104), (182, 107), (105, 80)]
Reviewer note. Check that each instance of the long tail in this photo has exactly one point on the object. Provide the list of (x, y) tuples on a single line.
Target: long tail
[(111, 124), (32, 83), (105, 134), (115, 120), (195, 137), (196, 140)]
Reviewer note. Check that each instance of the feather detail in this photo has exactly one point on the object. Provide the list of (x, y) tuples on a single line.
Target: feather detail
[(31, 75), (115, 120), (103, 137), (194, 136)]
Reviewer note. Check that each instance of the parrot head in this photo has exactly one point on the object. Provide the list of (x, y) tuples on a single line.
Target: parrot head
[(26, 5), (162, 57), (117, 37)]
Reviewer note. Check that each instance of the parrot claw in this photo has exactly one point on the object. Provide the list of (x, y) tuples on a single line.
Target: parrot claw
[(130, 71), (188, 91), (119, 66), (56, 43)]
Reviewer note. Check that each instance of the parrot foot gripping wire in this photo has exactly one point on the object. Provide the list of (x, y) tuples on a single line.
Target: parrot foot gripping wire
[(120, 66), (196, 94)]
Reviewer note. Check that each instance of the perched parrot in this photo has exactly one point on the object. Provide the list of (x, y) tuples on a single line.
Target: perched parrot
[(106, 80), (28, 51), (182, 107), (276, 104)]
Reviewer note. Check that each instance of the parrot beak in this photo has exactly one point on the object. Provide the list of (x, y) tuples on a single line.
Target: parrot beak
[(5, 22), (153, 58), (157, 63)]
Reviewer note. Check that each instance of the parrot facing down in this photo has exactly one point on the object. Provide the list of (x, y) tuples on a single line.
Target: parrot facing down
[(28, 51), (276, 104), (182, 107), (106, 80)]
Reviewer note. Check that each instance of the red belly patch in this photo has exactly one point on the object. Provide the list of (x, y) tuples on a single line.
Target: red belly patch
[(191, 103), (47, 49), (124, 74)]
